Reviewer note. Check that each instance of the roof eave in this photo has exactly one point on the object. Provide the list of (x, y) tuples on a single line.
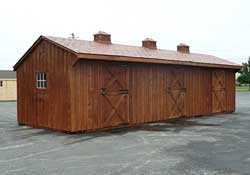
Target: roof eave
[(155, 60)]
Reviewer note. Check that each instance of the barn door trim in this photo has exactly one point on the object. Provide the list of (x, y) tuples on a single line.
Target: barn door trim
[(114, 91), (219, 103), (219, 81), (114, 110), (176, 106), (218, 91), (176, 91), (114, 78)]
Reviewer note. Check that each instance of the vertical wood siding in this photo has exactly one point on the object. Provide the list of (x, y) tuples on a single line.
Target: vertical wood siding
[(148, 93), (85, 99), (199, 98), (73, 102), (48, 108), (230, 91)]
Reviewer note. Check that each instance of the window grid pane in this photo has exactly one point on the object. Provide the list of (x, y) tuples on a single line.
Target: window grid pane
[(41, 80)]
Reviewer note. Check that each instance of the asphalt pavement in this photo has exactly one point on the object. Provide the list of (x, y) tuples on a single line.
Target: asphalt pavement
[(209, 145)]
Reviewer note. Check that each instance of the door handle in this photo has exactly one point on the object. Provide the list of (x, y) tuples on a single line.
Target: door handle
[(103, 91), (183, 90), (169, 90), (123, 91)]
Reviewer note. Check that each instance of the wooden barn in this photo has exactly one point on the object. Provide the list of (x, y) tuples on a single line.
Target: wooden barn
[(77, 85)]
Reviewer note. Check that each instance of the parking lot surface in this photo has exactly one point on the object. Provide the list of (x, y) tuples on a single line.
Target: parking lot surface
[(210, 145)]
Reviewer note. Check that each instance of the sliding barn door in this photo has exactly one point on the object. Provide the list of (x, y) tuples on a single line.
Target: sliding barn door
[(114, 94), (218, 91), (176, 93)]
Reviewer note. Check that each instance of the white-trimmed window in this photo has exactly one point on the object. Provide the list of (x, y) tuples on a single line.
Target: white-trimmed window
[(1, 83), (41, 80)]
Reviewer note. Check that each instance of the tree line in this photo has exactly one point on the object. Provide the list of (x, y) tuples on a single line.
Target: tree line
[(244, 77)]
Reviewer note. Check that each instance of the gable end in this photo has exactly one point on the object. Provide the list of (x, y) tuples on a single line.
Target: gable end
[(37, 42)]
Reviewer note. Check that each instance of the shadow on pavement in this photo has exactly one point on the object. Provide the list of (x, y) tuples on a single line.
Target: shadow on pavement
[(175, 125)]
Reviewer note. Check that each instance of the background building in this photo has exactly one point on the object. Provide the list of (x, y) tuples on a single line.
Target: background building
[(8, 85)]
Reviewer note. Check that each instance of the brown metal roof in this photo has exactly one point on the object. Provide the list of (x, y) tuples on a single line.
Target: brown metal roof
[(118, 52), (90, 47)]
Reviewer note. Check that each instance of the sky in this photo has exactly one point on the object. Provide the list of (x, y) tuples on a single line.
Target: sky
[(216, 27)]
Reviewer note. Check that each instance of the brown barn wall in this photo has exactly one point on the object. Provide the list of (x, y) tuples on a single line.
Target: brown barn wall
[(148, 95), (230, 91), (199, 99), (85, 96), (48, 108), (149, 99), (72, 100)]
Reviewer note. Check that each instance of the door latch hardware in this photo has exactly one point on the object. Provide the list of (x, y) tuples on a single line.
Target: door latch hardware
[(103, 91), (183, 90), (123, 91)]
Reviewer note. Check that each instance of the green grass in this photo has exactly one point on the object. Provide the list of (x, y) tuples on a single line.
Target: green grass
[(242, 89)]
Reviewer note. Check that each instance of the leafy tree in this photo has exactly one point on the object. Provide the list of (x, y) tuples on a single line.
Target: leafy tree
[(244, 77)]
